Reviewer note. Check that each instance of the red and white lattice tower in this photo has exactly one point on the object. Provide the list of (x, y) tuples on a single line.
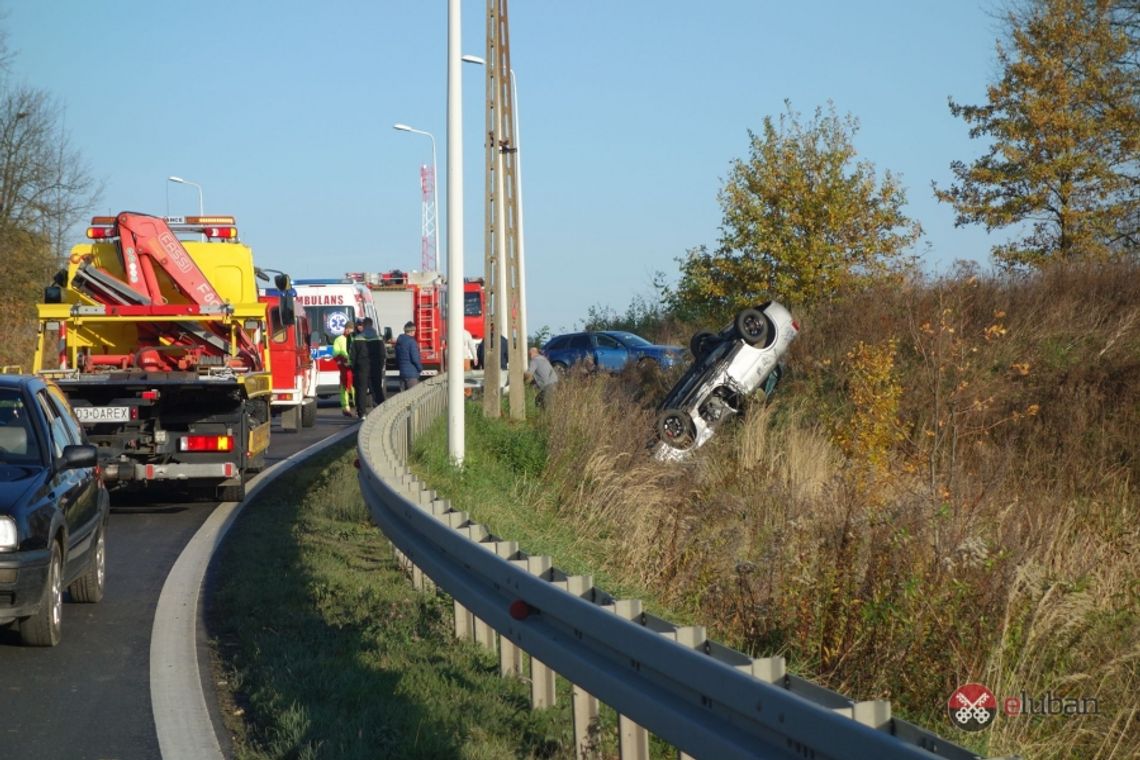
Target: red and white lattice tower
[(430, 241)]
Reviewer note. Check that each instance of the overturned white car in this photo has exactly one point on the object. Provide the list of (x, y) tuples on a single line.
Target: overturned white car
[(728, 366)]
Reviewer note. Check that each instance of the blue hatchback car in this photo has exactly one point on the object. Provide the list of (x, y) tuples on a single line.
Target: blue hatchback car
[(53, 510), (610, 350)]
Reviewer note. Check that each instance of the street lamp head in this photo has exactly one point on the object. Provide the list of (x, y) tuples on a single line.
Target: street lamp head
[(402, 127), (177, 179), (473, 59)]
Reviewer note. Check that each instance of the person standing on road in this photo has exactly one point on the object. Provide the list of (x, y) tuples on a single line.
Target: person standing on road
[(542, 374), (361, 364), (408, 357), (377, 358), (341, 347)]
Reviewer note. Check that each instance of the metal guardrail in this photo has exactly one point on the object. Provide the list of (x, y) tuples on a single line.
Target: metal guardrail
[(704, 698)]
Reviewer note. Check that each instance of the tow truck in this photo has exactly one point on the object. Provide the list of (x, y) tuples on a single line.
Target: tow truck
[(161, 345)]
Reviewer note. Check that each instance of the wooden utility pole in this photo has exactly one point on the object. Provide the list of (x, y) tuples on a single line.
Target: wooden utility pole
[(501, 259)]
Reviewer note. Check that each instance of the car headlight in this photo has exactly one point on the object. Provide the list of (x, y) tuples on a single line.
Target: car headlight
[(8, 538)]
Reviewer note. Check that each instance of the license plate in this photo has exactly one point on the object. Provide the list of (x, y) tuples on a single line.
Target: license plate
[(103, 413)]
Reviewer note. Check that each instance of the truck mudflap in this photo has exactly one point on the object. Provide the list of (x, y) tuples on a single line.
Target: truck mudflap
[(259, 440), (178, 471)]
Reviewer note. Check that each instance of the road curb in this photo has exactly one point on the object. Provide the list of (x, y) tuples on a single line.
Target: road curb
[(181, 717)]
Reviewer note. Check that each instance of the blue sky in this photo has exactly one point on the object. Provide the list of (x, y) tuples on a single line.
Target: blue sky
[(630, 114)]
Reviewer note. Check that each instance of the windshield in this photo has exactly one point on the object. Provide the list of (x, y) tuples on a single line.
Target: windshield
[(472, 305), (630, 339), (329, 321), (17, 436)]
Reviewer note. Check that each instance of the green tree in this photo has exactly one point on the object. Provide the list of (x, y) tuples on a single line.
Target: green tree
[(1064, 125), (803, 220)]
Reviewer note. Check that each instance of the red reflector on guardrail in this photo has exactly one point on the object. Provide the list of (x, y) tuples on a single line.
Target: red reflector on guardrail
[(519, 610)]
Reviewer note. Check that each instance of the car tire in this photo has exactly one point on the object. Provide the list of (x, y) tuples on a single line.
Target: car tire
[(699, 344), (560, 368), (675, 429), (43, 629), (88, 588), (752, 326), (309, 413)]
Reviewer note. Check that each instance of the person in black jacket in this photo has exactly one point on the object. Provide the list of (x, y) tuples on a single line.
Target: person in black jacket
[(377, 358), (361, 373), (504, 353)]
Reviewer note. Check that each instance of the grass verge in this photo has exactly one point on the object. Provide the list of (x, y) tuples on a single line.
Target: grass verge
[(324, 650)]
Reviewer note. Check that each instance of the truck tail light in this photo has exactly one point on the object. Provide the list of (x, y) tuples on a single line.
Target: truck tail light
[(149, 395), (206, 443), (224, 233), (101, 233)]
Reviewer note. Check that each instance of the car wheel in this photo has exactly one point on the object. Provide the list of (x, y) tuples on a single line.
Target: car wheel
[(560, 368), (309, 413), (88, 588), (43, 628), (752, 327), (699, 344), (675, 428)]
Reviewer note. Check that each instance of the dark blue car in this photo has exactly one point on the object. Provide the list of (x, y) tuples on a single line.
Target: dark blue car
[(53, 510), (610, 350)]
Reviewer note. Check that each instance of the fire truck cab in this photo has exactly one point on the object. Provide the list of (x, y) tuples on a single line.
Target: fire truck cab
[(293, 367)]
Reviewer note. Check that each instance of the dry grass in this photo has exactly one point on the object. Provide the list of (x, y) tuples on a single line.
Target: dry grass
[(956, 500)]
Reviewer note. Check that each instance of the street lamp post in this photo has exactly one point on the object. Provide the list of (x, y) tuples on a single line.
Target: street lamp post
[(434, 182), (519, 194), (201, 205)]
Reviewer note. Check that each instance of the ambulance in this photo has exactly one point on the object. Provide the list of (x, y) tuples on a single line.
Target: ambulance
[(331, 305)]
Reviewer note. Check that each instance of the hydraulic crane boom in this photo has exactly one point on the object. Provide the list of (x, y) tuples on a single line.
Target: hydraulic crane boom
[(147, 245)]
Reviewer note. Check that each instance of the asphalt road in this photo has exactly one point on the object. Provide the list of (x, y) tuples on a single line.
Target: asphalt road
[(89, 697)]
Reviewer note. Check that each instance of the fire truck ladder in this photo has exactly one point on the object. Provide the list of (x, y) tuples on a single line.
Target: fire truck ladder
[(426, 327)]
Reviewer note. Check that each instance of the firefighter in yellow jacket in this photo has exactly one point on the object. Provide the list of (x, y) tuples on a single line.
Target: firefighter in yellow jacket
[(341, 346)]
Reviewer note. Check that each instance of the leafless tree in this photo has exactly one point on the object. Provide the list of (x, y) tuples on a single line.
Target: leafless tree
[(44, 184)]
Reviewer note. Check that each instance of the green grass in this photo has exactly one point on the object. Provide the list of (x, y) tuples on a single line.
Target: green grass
[(502, 485), (326, 651)]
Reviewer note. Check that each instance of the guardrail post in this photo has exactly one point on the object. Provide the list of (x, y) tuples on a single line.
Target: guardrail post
[(464, 623), (585, 722), (541, 685), (510, 658), (633, 740), (484, 634)]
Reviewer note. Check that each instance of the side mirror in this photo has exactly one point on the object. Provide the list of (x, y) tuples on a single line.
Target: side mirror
[(75, 457), (60, 278), (387, 334), (53, 294), (288, 308), (282, 282)]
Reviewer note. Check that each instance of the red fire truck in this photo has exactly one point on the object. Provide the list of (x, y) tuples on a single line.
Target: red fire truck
[(293, 367), (420, 298)]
